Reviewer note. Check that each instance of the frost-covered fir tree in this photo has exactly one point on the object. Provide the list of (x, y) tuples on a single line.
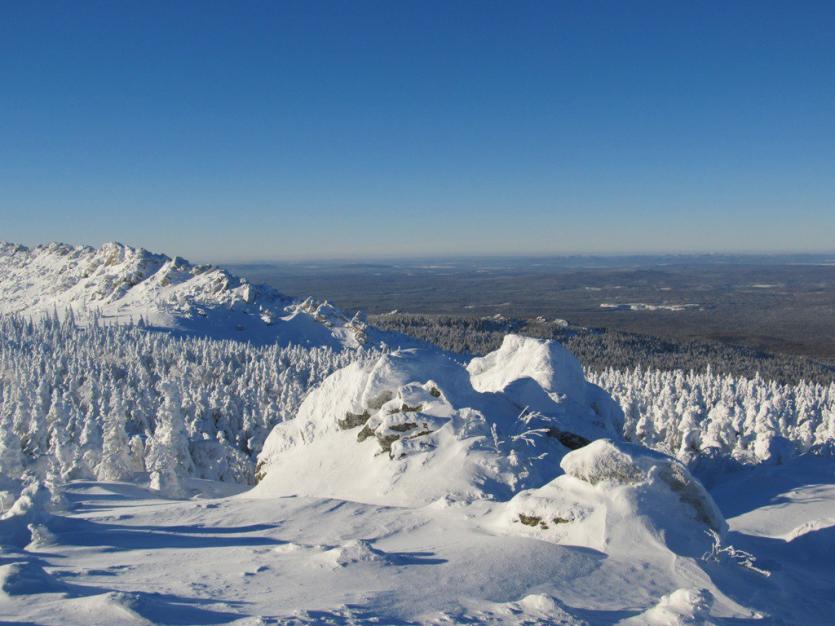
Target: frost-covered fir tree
[(116, 462), (11, 459), (168, 459), (63, 452)]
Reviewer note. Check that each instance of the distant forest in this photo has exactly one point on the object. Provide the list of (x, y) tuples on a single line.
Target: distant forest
[(602, 349)]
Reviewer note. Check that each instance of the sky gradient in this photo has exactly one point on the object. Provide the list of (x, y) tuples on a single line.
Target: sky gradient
[(260, 130)]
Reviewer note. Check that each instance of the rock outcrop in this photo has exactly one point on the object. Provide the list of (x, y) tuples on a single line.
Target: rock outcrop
[(414, 425), (614, 496)]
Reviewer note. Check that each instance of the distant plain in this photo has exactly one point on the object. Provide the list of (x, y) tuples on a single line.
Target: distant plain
[(777, 303)]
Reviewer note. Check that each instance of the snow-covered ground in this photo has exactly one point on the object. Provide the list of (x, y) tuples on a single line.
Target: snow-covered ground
[(118, 554)]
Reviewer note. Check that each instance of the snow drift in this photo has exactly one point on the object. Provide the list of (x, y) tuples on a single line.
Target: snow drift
[(413, 426)]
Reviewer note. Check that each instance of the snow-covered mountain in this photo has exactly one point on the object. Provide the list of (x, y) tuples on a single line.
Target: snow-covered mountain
[(123, 284)]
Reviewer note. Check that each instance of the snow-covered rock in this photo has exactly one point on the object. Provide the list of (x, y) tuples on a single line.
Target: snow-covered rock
[(122, 284), (681, 607), (24, 522), (27, 577), (618, 497), (554, 368), (414, 426)]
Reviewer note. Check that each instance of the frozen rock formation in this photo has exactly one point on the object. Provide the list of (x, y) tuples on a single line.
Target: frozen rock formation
[(414, 425)]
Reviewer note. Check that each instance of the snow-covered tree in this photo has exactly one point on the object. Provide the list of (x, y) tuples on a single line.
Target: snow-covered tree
[(116, 462), (11, 458), (168, 459)]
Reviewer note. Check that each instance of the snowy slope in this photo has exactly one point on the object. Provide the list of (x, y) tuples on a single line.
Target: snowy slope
[(115, 553), (123, 284)]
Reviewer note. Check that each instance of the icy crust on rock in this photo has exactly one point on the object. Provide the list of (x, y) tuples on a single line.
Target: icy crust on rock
[(123, 284), (615, 497), (410, 427)]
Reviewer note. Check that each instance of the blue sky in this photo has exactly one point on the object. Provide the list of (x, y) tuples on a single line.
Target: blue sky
[(258, 130)]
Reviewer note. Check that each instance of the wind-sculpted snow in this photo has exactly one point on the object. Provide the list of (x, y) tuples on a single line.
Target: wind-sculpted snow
[(683, 606), (411, 428), (122, 284), (550, 365), (618, 498)]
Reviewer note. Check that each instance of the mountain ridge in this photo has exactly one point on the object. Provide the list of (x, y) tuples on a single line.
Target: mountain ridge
[(118, 283)]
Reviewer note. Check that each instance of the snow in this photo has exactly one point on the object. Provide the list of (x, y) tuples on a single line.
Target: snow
[(119, 554), (620, 499), (409, 488), (643, 306), (123, 556), (415, 426), (122, 284), (23, 578), (683, 606), (24, 523), (553, 367)]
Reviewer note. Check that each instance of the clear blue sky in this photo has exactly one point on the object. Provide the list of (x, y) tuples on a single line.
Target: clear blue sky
[(256, 130)]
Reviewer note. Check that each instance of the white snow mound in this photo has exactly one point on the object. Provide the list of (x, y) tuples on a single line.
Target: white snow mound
[(410, 427), (683, 606), (356, 551), (618, 497), (27, 577), (554, 368)]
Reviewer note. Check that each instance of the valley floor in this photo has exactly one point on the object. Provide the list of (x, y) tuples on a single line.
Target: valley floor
[(121, 555)]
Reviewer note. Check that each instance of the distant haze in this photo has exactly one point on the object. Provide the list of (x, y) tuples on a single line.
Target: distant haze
[(257, 131)]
